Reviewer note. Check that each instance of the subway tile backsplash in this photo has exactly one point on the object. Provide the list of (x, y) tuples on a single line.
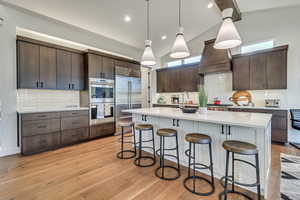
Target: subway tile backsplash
[(39, 99)]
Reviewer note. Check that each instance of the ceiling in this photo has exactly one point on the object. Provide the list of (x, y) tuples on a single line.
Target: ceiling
[(106, 17)]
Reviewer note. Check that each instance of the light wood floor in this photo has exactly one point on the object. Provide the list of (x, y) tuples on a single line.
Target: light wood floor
[(91, 171)]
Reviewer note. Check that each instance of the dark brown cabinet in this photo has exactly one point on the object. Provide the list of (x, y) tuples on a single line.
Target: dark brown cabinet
[(70, 70), (279, 122), (101, 130), (47, 68), (41, 66), (261, 70), (64, 70), (178, 79), (100, 67), (46, 131), (28, 65), (123, 68)]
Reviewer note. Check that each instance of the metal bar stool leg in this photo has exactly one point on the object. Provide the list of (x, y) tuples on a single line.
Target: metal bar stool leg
[(194, 171), (177, 151), (123, 141), (226, 174), (140, 146), (190, 150), (153, 143), (134, 139), (257, 177), (232, 167), (211, 167)]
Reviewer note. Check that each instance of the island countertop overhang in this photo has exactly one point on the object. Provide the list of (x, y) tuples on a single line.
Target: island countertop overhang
[(253, 120)]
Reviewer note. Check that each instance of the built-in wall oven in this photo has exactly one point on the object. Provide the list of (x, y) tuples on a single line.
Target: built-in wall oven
[(101, 100)]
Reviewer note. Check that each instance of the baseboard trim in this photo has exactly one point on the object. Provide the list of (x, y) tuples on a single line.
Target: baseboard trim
[(10, 151)]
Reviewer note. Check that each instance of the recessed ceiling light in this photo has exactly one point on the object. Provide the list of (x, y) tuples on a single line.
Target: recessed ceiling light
[(163, 37), (127, 18), (210, 5)]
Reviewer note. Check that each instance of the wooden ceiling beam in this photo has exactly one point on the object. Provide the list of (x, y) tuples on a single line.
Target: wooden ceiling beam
[(223, 4)]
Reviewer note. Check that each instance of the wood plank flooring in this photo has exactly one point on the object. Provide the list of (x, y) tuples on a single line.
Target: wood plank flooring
[(91, 171)]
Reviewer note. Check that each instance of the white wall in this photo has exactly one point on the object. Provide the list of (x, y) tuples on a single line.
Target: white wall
[(19, 18), (282, 25)]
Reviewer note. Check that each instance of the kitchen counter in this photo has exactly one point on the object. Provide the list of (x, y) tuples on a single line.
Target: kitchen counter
[(254, 128), (42, 110), (259, 107), (256, 120)]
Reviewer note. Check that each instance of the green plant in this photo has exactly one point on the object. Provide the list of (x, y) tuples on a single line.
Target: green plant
[(202, 97)]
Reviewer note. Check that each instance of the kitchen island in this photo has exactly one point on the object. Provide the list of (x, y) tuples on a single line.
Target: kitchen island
[(254, 128)]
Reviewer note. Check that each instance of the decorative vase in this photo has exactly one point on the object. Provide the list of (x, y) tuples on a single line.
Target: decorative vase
[(202, 110)]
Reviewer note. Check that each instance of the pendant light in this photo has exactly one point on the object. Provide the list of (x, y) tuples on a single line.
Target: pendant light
[(180, 49), (148, 58), (228, 36)]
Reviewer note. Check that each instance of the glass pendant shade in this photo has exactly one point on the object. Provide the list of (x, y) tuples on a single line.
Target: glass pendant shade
[(180, 48), (148, 58), (228, 36)]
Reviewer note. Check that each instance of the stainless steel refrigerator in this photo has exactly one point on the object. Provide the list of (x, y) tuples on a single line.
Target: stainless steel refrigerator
[(128, 96)]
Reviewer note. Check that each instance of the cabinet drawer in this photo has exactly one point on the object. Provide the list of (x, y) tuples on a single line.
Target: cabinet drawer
[(74, 136), (74, 122), (39, 143), (102, 130), (30, 128), (279, 135), (75, 113), (39, 116)]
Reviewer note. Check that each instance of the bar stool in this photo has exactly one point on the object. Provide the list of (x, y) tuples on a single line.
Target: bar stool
[(243, 148), (123, 124), (193, 139), (137, 161), (164, 133)]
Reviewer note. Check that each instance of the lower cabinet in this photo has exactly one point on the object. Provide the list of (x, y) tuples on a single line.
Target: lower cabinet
[(101, 130), (40, 143), (74, 136)]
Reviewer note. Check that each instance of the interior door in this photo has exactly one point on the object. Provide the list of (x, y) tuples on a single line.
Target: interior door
[(64, 69), (28, 65), (47, 68)]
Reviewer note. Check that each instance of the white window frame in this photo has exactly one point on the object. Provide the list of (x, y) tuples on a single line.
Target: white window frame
[(256, 46)]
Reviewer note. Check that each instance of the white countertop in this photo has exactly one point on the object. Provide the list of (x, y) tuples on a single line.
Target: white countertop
[(247, 107), (254, 120), (41, 110)]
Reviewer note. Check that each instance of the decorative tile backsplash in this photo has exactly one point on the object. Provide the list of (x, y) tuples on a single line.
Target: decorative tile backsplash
[(28, 99)]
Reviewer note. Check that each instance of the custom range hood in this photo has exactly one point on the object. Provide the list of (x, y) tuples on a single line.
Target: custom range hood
[(214, 60)]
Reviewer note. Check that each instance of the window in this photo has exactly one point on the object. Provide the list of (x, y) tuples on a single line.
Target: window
[(192, 60), (258, 46), (174, 63), (187, 61)]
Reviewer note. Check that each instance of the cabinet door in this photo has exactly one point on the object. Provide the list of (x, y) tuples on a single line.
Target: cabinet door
[(258, 72), (95, 66), (241, 71), (135, 70), (64, 70), (161, 81), (189, 79), (28, 65), (47, 68), (108, 68), (277, 70), (121, 68), (77, 72)]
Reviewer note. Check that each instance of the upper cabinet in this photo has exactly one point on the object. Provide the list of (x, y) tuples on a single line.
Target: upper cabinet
[(70, 70), (179, 79), (28, 65), (100, 67), (261, 70), (124, 68), (42, 66)]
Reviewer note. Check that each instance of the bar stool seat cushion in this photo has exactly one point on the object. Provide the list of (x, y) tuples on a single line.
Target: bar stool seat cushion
[(166, 132), (198, 138), (144, 127), (125, 123), (240, 147)]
